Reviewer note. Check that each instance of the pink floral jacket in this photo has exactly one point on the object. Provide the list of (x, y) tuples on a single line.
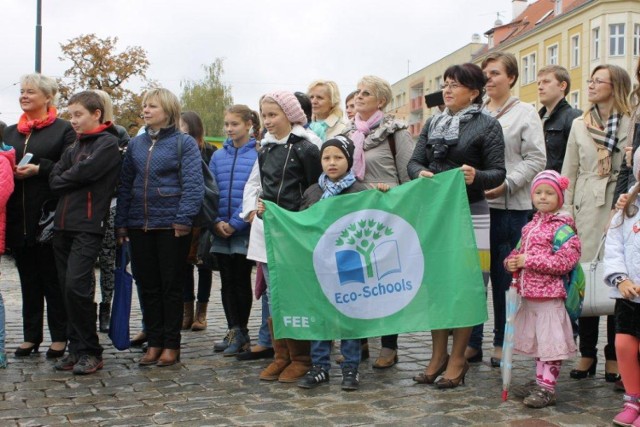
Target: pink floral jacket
[(542, 275)]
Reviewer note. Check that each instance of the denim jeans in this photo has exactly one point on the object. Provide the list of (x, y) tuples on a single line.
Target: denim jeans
[(321, 351), (506, 230), (264, 337)]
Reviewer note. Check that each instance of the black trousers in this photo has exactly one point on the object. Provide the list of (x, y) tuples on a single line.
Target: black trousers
[(157, 262), (39, 282), (588, 332), (76, 254), (235, 292)]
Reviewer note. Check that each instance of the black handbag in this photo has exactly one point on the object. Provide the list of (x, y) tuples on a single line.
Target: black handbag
[(44, 232)]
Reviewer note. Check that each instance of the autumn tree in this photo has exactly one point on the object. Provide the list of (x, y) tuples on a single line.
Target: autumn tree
[(208, 97), (95, 64)]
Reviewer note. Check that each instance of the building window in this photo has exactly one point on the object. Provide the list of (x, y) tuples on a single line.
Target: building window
[(595, 37), (552, 55), (616, 39), (528, 69), (574, 99), (575, 51), (636, 40)]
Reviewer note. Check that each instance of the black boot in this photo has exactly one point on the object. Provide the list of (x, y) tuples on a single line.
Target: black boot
[(104, 316)]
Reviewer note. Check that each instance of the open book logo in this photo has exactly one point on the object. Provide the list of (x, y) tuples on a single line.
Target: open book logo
[(365, 250), (369, 263)]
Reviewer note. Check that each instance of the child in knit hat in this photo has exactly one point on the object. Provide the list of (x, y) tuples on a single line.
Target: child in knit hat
[(549, 250), (289, 164)]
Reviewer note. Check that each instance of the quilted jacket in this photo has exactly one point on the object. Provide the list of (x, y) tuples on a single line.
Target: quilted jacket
[(157, 189), (621, 251), (231, 167), (7, 163), (543, 269), (480, 145)]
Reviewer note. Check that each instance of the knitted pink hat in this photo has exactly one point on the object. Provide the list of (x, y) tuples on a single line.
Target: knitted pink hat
[(555, 180), (290, 105)]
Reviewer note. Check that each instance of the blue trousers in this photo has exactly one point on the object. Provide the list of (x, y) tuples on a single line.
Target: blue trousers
[(505, 233), (321, 351)]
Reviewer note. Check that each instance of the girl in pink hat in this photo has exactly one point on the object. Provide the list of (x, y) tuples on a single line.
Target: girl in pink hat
[(542, 325)]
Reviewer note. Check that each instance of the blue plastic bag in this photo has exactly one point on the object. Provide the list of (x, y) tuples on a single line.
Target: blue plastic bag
[(121, 306)]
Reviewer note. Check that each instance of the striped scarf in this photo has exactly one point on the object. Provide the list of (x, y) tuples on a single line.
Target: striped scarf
[(331, 188), (604, 137)]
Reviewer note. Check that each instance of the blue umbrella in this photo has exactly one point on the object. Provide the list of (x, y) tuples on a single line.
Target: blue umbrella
[(512, 302)]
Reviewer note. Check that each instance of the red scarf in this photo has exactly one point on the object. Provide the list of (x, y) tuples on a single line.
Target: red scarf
[(26, 126), (99, 129)]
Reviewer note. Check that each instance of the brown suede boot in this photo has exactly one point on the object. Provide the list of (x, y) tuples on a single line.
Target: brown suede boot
[(187, 315), (200, 322), (300, 353), (281, 358)]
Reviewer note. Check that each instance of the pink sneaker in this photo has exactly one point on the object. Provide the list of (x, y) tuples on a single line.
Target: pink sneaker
[(630, 415)]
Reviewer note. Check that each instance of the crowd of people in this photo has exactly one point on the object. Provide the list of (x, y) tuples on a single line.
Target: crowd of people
[(75, 191)]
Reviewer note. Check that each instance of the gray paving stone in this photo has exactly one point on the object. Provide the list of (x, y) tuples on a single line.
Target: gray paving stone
[(44, 421)]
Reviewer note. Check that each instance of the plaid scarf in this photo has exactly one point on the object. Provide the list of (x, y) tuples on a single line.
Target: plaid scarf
[(331, 188), (604, 137), (447, 124)]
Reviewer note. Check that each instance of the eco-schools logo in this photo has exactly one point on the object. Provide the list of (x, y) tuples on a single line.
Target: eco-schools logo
[(369, 264)]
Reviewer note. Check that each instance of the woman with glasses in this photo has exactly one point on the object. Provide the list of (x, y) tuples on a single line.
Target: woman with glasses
[(461, 137), (383, 147), (509, 202), (592, 163)]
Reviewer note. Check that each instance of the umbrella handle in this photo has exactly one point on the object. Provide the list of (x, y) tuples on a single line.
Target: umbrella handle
[(514, 279)]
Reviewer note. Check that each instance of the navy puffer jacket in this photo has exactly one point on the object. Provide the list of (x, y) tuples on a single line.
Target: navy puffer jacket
[(231, 167), (151, 194)]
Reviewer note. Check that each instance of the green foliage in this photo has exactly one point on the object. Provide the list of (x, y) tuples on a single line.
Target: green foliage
[(363, 236), (208, 97)]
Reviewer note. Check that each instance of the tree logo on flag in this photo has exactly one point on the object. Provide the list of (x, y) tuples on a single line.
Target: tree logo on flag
[(359, 263)]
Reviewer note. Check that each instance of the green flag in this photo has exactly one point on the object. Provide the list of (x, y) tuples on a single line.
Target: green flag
[(374, 263)]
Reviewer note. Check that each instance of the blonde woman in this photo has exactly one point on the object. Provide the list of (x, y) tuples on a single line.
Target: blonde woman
[(327, 118), (158, 197)]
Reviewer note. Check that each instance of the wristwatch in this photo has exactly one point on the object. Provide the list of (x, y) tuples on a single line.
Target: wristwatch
[(619, 279)]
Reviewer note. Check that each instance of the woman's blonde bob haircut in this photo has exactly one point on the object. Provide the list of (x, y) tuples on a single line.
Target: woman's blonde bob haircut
[(167, 100), (47, 85), (334, 95), (621, 83), (380, 87)]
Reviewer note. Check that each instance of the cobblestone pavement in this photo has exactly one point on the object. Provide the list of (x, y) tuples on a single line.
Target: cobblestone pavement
[(208, 389)]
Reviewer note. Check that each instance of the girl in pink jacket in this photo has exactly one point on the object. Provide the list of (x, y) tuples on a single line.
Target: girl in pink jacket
[(7, 164), (542, 325)]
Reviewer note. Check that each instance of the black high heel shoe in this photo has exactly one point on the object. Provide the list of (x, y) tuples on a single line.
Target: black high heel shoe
[(425, 378), (24, 352), (611, 377), (55, 354), (579, 374)]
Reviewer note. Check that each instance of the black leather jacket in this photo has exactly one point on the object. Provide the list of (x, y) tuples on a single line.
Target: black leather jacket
[(481, 145), (286, 171), (556, 132)]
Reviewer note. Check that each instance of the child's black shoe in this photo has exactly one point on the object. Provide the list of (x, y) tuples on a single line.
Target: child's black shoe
[(350, 379), (314, 377)]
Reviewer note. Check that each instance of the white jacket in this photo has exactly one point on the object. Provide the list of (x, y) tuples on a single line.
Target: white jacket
[(622, 251)]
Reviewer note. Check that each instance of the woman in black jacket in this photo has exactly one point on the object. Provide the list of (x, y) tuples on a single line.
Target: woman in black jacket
[(461, 137), (42, 134)]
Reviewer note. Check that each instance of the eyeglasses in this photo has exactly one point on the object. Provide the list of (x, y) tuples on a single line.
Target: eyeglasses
[(452, 86), (598, 82), (363, 93)]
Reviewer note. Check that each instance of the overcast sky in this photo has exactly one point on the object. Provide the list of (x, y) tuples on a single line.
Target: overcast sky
[(266, 44)]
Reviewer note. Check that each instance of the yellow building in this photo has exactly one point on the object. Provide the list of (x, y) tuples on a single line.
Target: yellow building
[(577, 34)]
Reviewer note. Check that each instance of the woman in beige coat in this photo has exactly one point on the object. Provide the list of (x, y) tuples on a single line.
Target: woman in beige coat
[(592, 163), (327, 118), (383, 148)]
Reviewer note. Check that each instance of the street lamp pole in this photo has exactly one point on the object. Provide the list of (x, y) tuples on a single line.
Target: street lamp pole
[(39, 37)]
